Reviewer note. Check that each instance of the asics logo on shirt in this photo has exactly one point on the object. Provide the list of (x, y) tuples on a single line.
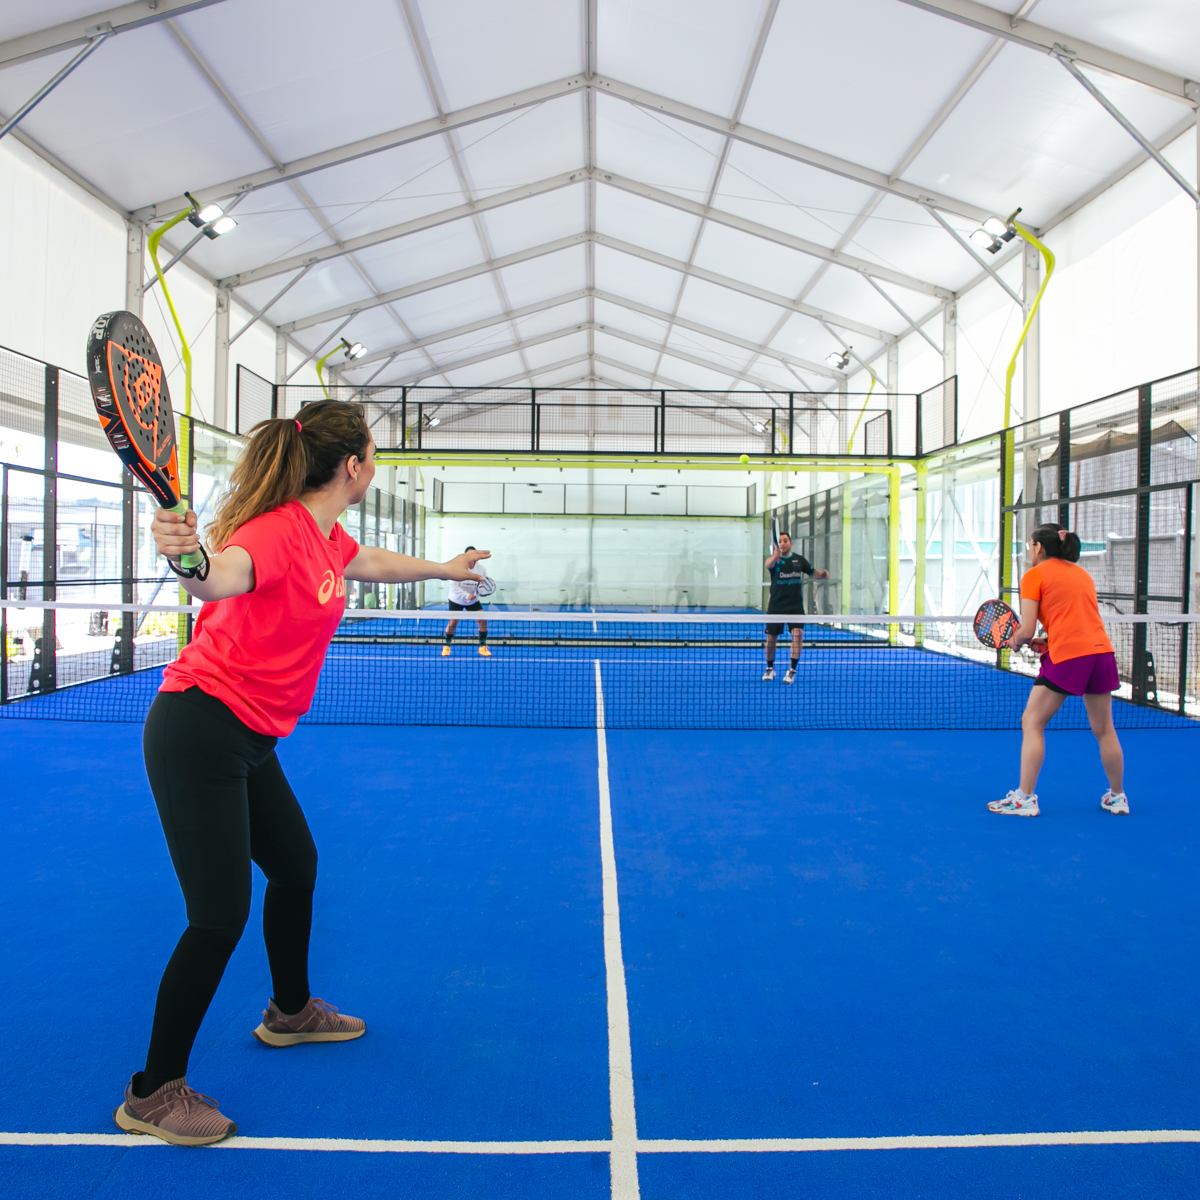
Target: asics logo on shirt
[(331, 585)]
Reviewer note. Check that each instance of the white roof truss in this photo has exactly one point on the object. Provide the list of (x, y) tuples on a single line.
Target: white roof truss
[(80, 30), (595, 294), (1047, 41)]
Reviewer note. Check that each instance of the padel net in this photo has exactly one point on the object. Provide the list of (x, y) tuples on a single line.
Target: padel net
[(648, 670)]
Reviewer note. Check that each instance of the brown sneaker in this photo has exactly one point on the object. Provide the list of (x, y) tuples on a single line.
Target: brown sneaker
[(315, 1022), (176, 1113)]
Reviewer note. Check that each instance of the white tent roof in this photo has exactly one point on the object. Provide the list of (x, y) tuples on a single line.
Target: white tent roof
[(670, 193)]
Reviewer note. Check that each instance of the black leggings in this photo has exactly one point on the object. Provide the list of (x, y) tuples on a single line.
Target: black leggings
[(224, 803)]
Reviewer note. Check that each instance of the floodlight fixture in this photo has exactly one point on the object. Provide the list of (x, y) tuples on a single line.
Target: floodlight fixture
[(356, 351), (759, 427), (982, 238), (994, 232), (839, 360), (434, 421), (211, 219)]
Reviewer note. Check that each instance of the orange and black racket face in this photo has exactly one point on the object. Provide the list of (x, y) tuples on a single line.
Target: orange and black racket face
[(995, 623), (129, 388)]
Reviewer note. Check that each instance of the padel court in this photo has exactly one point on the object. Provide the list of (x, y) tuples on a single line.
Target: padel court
[(836, 973), (621, 339)]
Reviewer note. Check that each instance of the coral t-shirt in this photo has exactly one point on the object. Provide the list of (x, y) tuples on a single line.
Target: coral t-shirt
[(1067, 608), (260, 653)]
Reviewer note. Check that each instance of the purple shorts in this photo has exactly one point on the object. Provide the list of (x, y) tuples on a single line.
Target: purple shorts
[(1090, 674)]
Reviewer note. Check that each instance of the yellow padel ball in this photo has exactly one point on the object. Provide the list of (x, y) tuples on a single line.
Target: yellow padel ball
[(745, 458)]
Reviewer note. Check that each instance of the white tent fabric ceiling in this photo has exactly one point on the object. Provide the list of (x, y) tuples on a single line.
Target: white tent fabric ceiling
[(632, 193)]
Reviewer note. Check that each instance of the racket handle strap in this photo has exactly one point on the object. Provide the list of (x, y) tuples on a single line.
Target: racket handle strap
[(187, 561)]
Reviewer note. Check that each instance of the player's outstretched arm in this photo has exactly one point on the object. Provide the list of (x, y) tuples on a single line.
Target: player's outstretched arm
[(230, 573), (374, 565)]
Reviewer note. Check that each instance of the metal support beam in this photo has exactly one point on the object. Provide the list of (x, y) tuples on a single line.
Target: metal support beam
[(486, 355), (651, 377), (281, 357), (768, 234), (785, 148), (950, 340), (1047, 41), (429, 285), (416, 225), (647, 191), (96, 38), (907, 319), (135, 266), (221, 361), (1031, 400), (317, 349), (82, 29), (721, 335), (696, 360), (365, 147), (734, 285), (463, 330), (893, 391), (962, 241), (862, 362), (287, 287), (609, 298), (1126, 124)]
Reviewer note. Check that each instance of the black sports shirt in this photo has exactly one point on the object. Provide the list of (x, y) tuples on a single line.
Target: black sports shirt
[(787, 576)]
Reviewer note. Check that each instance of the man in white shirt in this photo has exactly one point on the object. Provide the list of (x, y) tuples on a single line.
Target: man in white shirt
[(464, 597)]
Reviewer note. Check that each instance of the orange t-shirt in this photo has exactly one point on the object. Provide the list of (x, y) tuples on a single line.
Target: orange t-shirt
[(1067, 608)]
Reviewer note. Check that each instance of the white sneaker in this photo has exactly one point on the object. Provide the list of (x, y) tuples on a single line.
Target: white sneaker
[(769, 675), (1013, 806), (789, 676), (1114, 802)]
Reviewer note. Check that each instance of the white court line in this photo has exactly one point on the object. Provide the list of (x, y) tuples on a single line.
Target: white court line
[(623, 1156), (1104, 1137)]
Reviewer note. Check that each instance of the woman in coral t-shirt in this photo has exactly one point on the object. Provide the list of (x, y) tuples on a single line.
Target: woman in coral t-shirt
[(274, 594), (1077, 660)]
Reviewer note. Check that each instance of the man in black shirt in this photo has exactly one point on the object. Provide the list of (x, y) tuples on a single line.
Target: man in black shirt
[(787, 572)]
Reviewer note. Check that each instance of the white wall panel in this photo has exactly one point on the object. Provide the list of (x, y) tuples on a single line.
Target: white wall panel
[(1121, 307), (63, 256)]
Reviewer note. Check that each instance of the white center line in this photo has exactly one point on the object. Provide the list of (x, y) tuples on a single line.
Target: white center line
[(623, 1155)]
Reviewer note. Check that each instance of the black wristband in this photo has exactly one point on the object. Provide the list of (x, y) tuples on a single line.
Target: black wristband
[(199, 571)]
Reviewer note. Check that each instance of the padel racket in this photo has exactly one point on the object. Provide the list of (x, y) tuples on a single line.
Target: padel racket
[(995, 623), (129, 389), (774, 535), (485, 587)]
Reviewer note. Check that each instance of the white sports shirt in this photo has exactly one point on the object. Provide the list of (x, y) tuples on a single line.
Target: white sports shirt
[(463, 591)]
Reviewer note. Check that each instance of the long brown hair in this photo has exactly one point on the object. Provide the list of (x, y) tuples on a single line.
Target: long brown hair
[(286, 457)]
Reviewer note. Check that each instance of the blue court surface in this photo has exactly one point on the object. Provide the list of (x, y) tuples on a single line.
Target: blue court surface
[(824, 936)]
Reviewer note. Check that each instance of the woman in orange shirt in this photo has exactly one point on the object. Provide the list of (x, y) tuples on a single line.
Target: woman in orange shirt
[(1077, 660)]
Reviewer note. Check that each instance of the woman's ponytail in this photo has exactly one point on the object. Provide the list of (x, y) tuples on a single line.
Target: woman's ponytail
[(284, 458), (1057, 541)]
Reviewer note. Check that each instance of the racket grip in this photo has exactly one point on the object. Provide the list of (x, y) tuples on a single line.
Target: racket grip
[(187, 560)]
